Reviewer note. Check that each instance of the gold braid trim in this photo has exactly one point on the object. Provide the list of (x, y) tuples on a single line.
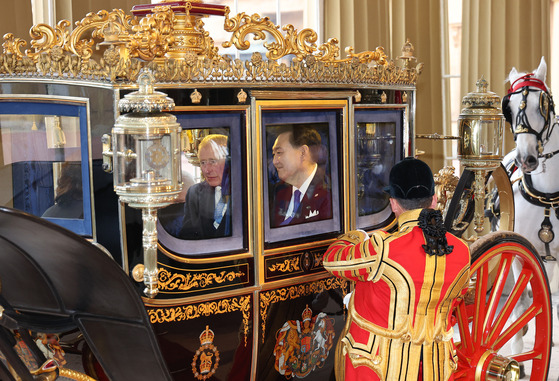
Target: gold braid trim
[(375, 329), (373, 354), (357, 242), (378, 243)]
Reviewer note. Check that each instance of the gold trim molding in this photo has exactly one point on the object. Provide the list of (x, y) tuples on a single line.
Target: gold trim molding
[(294, 292), (114, 47), (194, 311)]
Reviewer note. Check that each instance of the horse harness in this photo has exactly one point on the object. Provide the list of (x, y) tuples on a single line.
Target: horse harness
[(524, 85), (548, 201), (545, 200)]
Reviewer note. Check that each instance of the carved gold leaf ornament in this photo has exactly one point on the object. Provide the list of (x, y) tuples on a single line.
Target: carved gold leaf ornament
[(193, 311), (288, 265), (318, 258), (268, 298), (113, 46), (183, 282)]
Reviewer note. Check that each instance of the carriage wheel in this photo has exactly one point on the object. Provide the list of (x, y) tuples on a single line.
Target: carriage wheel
[(460, 211), (483, 317)]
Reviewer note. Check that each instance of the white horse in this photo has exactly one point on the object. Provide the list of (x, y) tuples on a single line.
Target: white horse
[(529, 109)]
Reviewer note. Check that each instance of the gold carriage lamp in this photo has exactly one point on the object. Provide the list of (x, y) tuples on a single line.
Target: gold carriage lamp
[(481, 146), (481, 129), (146, 163)]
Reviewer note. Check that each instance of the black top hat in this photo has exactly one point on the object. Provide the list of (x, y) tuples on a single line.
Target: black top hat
[(411, 178)]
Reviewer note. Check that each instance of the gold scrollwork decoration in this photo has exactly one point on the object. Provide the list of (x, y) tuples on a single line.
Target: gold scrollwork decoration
[(376, 55), (113, 46), (44, 36), (193, 311), (318, 258), (151, 38), (12, 46), (300, 44), (288, 265), (183, 282), (293, 292)]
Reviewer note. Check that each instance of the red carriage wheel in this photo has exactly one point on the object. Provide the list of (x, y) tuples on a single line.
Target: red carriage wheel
[(493, 312)]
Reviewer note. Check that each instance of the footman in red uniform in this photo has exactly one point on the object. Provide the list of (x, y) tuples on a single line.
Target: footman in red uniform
[(405, 285)]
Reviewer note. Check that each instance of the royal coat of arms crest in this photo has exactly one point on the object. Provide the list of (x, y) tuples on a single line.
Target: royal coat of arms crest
[(302, 346)]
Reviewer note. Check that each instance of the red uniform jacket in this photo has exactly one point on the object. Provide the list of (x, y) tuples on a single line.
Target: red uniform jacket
[(399, 310)]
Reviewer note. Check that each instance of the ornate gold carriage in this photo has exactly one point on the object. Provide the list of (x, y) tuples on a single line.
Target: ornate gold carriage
[(254, 303)]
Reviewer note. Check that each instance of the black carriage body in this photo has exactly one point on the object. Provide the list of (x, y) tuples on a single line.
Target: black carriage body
[(228, 307)]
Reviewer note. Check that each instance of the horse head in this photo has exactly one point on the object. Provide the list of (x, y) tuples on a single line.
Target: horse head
[(528, 107)]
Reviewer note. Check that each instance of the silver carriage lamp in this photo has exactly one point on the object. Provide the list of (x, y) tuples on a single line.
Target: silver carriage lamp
[(481, 146), (146, 162)]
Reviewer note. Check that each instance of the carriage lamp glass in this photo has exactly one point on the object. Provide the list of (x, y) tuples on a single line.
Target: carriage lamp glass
[(481, 125), (481, 145), (146, 163)]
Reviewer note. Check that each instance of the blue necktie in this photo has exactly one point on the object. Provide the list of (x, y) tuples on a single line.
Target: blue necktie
[(296, 204), (218, 212)]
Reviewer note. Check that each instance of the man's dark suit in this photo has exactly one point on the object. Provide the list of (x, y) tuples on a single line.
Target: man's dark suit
[(199, 209), (316, 204)]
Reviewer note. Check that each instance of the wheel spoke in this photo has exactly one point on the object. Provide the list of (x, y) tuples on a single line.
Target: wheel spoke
[(497, 291), (527, 356), (488, 323), (510, 304), (480, 303), (516, 327), (464, 328)]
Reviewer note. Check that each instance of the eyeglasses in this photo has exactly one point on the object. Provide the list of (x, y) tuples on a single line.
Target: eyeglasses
[(211, 162)]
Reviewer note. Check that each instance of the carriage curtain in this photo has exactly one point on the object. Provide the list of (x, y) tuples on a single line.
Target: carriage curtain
[(500, 34), (366, 24), (16, 18)]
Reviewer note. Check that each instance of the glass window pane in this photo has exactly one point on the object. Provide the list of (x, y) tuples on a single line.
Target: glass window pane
[(204, 206), (210, 205), (43, 153), (376, 151)]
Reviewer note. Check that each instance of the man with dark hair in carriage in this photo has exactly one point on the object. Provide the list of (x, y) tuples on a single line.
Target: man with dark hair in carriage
[(304, 192), (405, 284)]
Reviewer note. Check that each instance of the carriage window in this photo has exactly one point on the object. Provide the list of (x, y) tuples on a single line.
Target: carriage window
[(301, 170), (210, 204), (45, 165), (378, 149), (203, 209), (299, 182)]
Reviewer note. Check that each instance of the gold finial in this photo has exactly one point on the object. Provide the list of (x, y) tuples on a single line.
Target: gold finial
[(407, 53), (481, 85), (145, 82), (407, 50)]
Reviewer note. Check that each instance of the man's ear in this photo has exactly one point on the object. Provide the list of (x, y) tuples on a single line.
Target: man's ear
[(434, 202), (396, 208), (305, 151)]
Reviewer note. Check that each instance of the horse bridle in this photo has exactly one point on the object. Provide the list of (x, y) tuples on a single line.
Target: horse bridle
[(524, 85)]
